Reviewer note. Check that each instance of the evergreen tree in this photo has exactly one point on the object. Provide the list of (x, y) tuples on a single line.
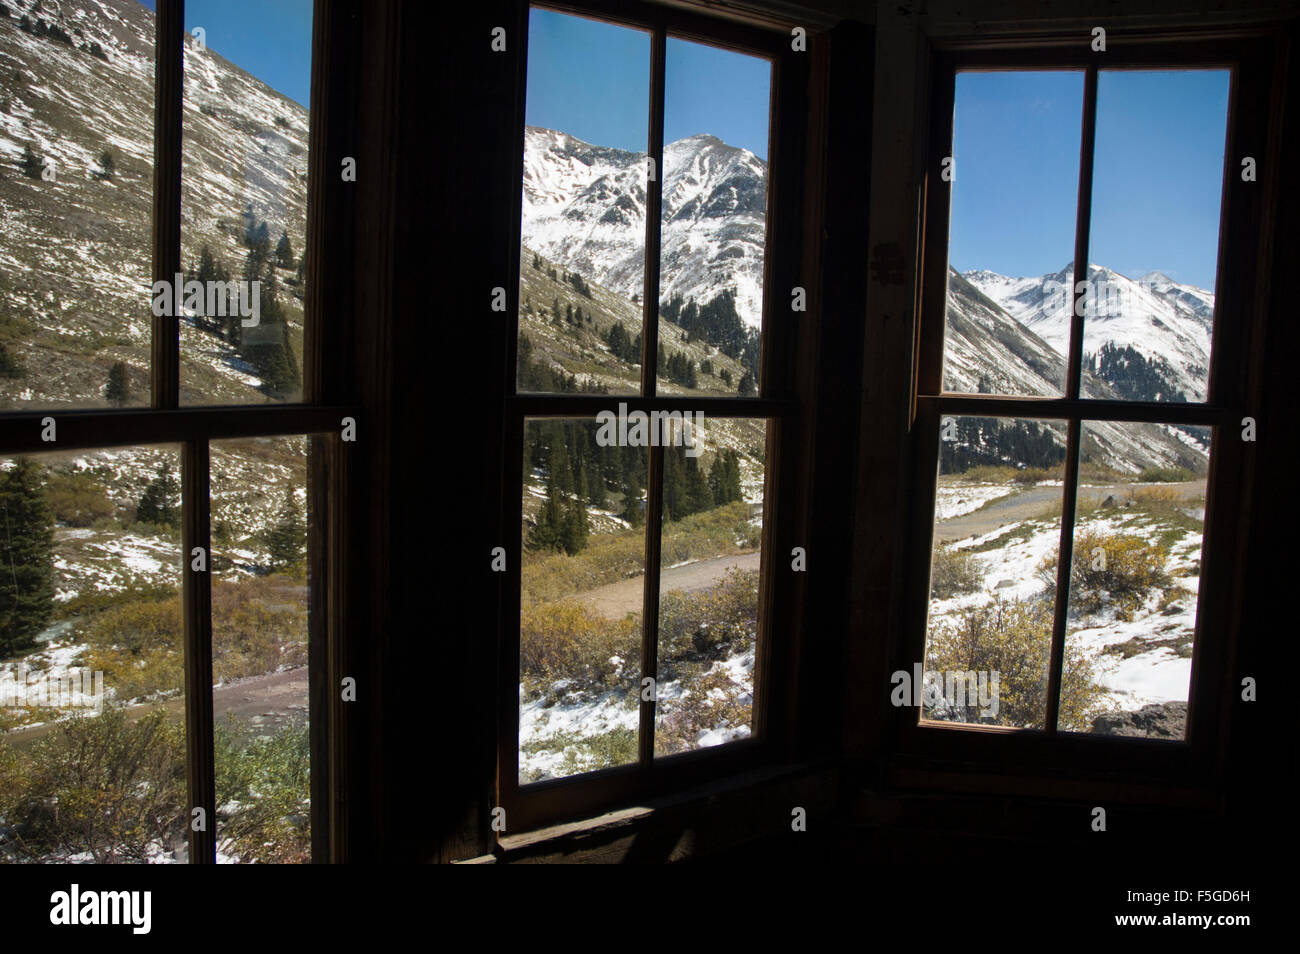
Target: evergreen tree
[(118, 389), (160, 503), (10, 367), (107, 164), (674, 484), (26, 557), (725, 376), (747, 386), (631, 481), (284, 251), (698, 497), (287, 540), (31, 164)]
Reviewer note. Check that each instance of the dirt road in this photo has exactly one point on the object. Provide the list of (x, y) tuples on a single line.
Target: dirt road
[(266, 703), (616, 600), (1035, 501)]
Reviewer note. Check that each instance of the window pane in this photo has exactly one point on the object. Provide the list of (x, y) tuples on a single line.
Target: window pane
[(712, 529), (92, 680), (1157, 184), (582, 260), (260, 594), (76, 135), (713, 238), (996, 538), (582, 584), (1015, 179), (1133, 586), (244, 202)]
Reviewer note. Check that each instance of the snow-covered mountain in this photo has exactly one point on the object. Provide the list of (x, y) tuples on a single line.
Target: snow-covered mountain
[(1166, 322), (76, 80), (987, 350), (584, 208)]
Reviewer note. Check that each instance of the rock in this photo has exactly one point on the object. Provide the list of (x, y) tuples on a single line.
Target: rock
[(1108, 502), (1174, 608), (1164, 720)]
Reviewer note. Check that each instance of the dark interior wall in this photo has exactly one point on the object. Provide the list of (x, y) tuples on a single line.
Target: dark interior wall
[(435, 229)]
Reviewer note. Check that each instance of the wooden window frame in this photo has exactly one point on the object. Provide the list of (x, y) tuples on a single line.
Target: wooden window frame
[(531, 805), (927, 751), (327, 327)]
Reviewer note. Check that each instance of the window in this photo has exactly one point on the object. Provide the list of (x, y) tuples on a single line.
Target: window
[(1079, 442), (644, 410), (167, 556)]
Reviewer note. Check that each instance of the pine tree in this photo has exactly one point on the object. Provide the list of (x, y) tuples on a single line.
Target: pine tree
[(26, 557), (287, 540), (674, 484), (747, 386), (160, 503), (107, 164), (10, 367), (118, 389), (631, 478), (284, 251), (31, 164), (698, 497)]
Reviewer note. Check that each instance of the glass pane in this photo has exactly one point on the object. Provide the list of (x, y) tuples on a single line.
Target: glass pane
[(996, 538), (1133, 585), (713, 233), (260, 598), (92, 680), (582, 580), (244, 201), (1015, 176), (1157, 184), (582, 260), (76, 193), (712, 530)]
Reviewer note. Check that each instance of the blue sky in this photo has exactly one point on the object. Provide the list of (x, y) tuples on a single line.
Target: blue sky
[(270, 40), (592, 80), (1157, 178)]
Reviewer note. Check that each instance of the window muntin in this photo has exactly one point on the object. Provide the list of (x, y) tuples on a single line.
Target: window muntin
[(1128, 445)]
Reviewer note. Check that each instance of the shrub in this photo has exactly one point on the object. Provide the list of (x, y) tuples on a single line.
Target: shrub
[(1165, 475), (1013, 638), (711, 701), (138, 646), (109, 786), (263, 794), (709, 624), (587, 753), (954, 572), (78, 499), (570, 640), (1111, 568)]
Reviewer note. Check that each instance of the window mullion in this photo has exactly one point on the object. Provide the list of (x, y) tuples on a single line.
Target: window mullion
[(1082, 225), (653, 214), (1064, 562), (196, 598), (169, 66), (650, 603), (649, 372)]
